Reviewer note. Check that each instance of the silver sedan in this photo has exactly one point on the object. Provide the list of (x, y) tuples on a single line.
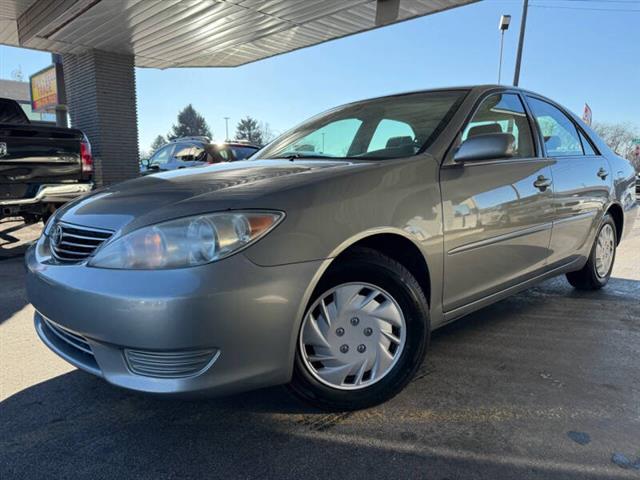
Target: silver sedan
[(327, 259)]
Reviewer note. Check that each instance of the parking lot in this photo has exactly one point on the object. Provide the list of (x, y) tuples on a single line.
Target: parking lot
[(545, 384)]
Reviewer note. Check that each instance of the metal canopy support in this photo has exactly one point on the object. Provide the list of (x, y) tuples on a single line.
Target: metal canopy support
[(101, 90), (387, 11)]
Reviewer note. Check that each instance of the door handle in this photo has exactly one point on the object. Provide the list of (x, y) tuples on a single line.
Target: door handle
[(542, 183), (602, 173)]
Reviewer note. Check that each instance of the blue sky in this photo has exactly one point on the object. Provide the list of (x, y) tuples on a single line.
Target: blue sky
[(575, 51)]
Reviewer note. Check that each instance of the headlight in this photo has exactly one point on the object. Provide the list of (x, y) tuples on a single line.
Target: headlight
[(186, 242)]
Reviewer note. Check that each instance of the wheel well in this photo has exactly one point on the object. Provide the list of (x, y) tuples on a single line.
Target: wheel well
[(403, 251), (618, 218)]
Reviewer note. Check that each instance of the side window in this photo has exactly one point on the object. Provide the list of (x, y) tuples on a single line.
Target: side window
[(586, 145), (10, 112), (503, 113), (561, 138), (162, 156), (188, 152), (226, 154), (390, 134)]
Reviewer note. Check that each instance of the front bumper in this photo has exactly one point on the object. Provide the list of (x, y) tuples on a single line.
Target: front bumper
[(246, 316)]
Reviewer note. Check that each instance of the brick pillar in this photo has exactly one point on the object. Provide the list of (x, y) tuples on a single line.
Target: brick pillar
[(101, 96)]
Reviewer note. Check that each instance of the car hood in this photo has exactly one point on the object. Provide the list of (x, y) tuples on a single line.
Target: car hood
[(177, 193)]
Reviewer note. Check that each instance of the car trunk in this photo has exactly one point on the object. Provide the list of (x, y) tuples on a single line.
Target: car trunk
[(34, 155)]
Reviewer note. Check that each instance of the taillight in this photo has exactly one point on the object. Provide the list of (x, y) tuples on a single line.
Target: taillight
[(85, 157)]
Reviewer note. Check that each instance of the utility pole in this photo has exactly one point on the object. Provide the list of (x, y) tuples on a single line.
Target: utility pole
[(523, 26), (226, 127), (505, 20)]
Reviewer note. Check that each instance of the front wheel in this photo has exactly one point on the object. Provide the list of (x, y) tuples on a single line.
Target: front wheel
[(597, 271), (364, 334)]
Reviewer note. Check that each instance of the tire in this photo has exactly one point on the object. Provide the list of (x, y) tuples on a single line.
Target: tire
[(31, 218), (385, 284), (591, 276), (48, 210)]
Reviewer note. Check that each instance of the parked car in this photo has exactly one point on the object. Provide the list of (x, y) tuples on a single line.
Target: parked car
[(41, 166), (327, 267), (195, 152)]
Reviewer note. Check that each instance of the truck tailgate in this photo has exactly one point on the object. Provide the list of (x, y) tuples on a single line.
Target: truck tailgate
[(34, 155)]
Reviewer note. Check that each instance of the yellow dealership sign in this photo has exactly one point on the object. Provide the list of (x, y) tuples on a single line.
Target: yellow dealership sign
[(44, 89)]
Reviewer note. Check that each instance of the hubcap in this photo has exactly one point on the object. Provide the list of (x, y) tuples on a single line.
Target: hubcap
[(352, 336), (605, 248)]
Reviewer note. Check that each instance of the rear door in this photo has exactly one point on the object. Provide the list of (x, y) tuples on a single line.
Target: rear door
[(497, 213), (581, 180), (33, 155), (188, 154)]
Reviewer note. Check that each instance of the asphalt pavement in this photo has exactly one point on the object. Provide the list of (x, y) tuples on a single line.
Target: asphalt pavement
[(545, 384)]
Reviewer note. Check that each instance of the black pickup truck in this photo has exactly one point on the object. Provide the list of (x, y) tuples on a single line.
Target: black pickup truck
[(41, 166)]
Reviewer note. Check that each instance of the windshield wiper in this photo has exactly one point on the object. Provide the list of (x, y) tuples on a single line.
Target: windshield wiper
[(297, 155)]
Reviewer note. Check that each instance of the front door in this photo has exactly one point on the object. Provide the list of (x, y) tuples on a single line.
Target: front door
[(581, 181), (497, 213)]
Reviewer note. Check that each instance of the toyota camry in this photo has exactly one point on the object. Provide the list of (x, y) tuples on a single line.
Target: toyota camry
[(326, 260)]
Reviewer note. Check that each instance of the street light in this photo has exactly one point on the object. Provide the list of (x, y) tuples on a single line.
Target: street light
[(505, 20), (226, 127)]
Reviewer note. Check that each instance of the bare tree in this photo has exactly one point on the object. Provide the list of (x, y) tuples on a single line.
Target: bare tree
[(267, 133), (620, 138)]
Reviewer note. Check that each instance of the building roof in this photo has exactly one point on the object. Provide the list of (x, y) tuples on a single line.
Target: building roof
[(15, 90), (205, 33)]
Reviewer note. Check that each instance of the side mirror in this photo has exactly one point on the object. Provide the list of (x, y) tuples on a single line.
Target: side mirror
[(490, 146)]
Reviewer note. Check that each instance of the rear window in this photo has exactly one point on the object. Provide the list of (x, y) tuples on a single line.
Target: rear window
[(10, 112)]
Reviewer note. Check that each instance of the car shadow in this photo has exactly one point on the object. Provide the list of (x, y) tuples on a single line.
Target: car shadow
[(78, 426), (12, 237)]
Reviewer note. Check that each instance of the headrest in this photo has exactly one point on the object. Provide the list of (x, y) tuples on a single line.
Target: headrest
[(395, 142)]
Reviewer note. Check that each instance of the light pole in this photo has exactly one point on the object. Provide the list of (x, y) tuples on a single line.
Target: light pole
[(505, 20), (226, 127), (523, 26)]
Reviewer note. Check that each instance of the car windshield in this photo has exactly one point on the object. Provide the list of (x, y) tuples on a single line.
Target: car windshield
[(385, 128)]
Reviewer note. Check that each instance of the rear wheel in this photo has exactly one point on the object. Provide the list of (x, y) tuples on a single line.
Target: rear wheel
[(597, 271), (364, 334)]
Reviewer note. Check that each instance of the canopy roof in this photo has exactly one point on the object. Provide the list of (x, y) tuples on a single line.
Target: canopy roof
[(202, 33)]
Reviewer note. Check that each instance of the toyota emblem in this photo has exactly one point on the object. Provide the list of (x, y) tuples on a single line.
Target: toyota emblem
[(56, 235)]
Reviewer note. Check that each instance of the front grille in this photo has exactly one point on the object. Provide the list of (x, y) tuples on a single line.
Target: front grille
[(72, 243), (169, 364), (69, 337)]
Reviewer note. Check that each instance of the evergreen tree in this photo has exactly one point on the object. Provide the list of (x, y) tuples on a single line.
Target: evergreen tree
[(158, 142), (190, 124), (249, 129)]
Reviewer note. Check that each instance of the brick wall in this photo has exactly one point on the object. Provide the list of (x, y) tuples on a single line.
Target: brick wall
[(101, 96)]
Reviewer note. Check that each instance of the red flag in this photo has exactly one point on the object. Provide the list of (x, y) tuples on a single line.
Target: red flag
[(586, 116)]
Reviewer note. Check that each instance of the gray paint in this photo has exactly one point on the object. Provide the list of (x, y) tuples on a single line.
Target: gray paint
[(250, 305)]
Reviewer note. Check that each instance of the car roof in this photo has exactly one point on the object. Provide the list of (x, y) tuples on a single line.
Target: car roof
[(478, 89)]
